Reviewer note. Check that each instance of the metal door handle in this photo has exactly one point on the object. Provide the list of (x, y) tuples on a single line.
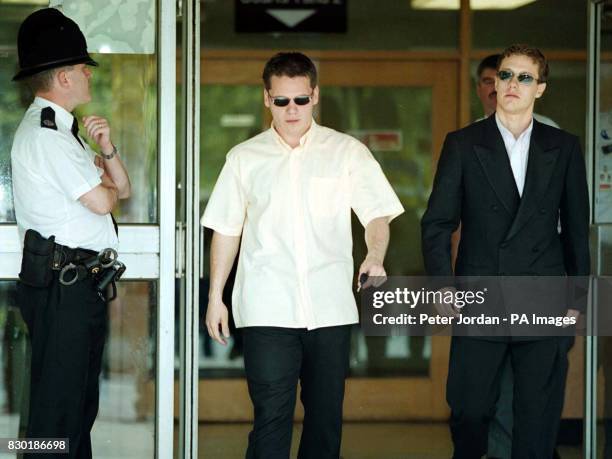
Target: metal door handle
[(201, 252), (180, 250)]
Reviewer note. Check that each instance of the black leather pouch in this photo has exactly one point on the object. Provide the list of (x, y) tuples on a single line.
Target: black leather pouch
[(37, 260)]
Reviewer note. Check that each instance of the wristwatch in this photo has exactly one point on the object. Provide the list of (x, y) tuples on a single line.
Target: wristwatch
[(112, 155)]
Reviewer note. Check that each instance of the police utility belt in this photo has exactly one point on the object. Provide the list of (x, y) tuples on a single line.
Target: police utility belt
[(41, 257)]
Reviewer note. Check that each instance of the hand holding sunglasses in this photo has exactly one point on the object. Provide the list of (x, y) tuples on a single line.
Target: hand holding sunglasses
[(523, 78), (282, 101)]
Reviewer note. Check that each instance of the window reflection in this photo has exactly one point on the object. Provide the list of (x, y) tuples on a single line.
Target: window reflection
[(125, 425), (124, 91)]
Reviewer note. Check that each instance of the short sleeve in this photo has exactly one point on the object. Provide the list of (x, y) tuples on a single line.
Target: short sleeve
[(226, 208), (68, 167), (371, 193)]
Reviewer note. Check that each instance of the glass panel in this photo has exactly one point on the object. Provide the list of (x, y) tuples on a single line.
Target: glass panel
[(229, 115), (123, 90), (371, 24), (603, 372), (557, 24), (12, 101), (603, 127), (570, 436), (125, 426), (604, 408), (14, 374)]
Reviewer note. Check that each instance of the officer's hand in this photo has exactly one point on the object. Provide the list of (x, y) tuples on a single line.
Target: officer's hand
[(217, 317), (99, 130), (376, 274)]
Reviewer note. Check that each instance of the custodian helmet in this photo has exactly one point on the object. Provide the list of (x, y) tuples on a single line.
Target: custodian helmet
[(47, 39)]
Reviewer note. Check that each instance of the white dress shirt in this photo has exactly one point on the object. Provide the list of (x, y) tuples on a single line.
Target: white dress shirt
[(518, 152), (293, 209), (51, 171)]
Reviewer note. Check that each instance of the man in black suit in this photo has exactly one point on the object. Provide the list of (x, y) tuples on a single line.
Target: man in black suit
[(509, 180)]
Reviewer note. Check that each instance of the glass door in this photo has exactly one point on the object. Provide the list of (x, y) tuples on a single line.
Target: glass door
[(135, 90)]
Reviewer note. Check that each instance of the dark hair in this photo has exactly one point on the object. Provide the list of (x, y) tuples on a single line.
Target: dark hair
[(489, 62), (292, 65), (534, 53)]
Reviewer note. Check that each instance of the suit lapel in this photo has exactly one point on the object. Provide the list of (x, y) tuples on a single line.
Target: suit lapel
[(540, 165), (492, 155)]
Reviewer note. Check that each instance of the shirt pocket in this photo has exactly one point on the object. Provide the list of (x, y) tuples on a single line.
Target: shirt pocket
[(325, 196)]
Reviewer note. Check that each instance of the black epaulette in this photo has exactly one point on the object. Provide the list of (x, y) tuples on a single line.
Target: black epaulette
[(47, 118)]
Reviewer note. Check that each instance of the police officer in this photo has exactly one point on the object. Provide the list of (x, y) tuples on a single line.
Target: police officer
[(64, 194)]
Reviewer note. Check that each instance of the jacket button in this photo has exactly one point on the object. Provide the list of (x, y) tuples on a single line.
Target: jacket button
[(535, 250), (494, 208), (542, 210), (503, 245)]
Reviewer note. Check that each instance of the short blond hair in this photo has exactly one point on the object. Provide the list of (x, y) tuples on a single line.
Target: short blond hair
[(533, 53), (43, 81)]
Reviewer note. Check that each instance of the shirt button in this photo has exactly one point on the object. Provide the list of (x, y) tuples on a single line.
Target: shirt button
[(494, 208)]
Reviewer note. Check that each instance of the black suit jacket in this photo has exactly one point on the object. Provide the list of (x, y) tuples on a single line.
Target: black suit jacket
[(503, 234)]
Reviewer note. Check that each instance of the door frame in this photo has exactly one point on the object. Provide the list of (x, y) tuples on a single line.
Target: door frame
[(147, 250)]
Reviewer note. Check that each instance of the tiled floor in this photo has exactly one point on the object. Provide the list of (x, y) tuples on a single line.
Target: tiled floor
[(134, 440), (397, 440), (360, 441), (119, 434)]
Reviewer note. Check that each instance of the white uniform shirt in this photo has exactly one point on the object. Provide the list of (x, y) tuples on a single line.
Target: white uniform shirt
[(518, 152), (51, 171), (293, 209)]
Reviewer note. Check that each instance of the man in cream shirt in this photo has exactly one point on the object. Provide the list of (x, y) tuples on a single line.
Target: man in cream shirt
[(284, 198)]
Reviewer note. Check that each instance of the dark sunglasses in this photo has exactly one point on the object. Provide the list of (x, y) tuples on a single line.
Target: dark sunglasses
[(282, 101), (523, 78)]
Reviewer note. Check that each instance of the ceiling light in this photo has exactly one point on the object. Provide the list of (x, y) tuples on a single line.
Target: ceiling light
[(474, 4), (25, 2)]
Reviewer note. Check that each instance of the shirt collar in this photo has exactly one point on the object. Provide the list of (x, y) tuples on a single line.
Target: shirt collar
[(308, 135), (62, 116), (508, 136)]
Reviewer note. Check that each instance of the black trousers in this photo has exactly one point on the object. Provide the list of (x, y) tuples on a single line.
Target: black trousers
[(67, 327), (540, 371), (275, 359)]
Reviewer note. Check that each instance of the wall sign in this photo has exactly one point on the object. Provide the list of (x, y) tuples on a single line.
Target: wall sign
[(261, 16)]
